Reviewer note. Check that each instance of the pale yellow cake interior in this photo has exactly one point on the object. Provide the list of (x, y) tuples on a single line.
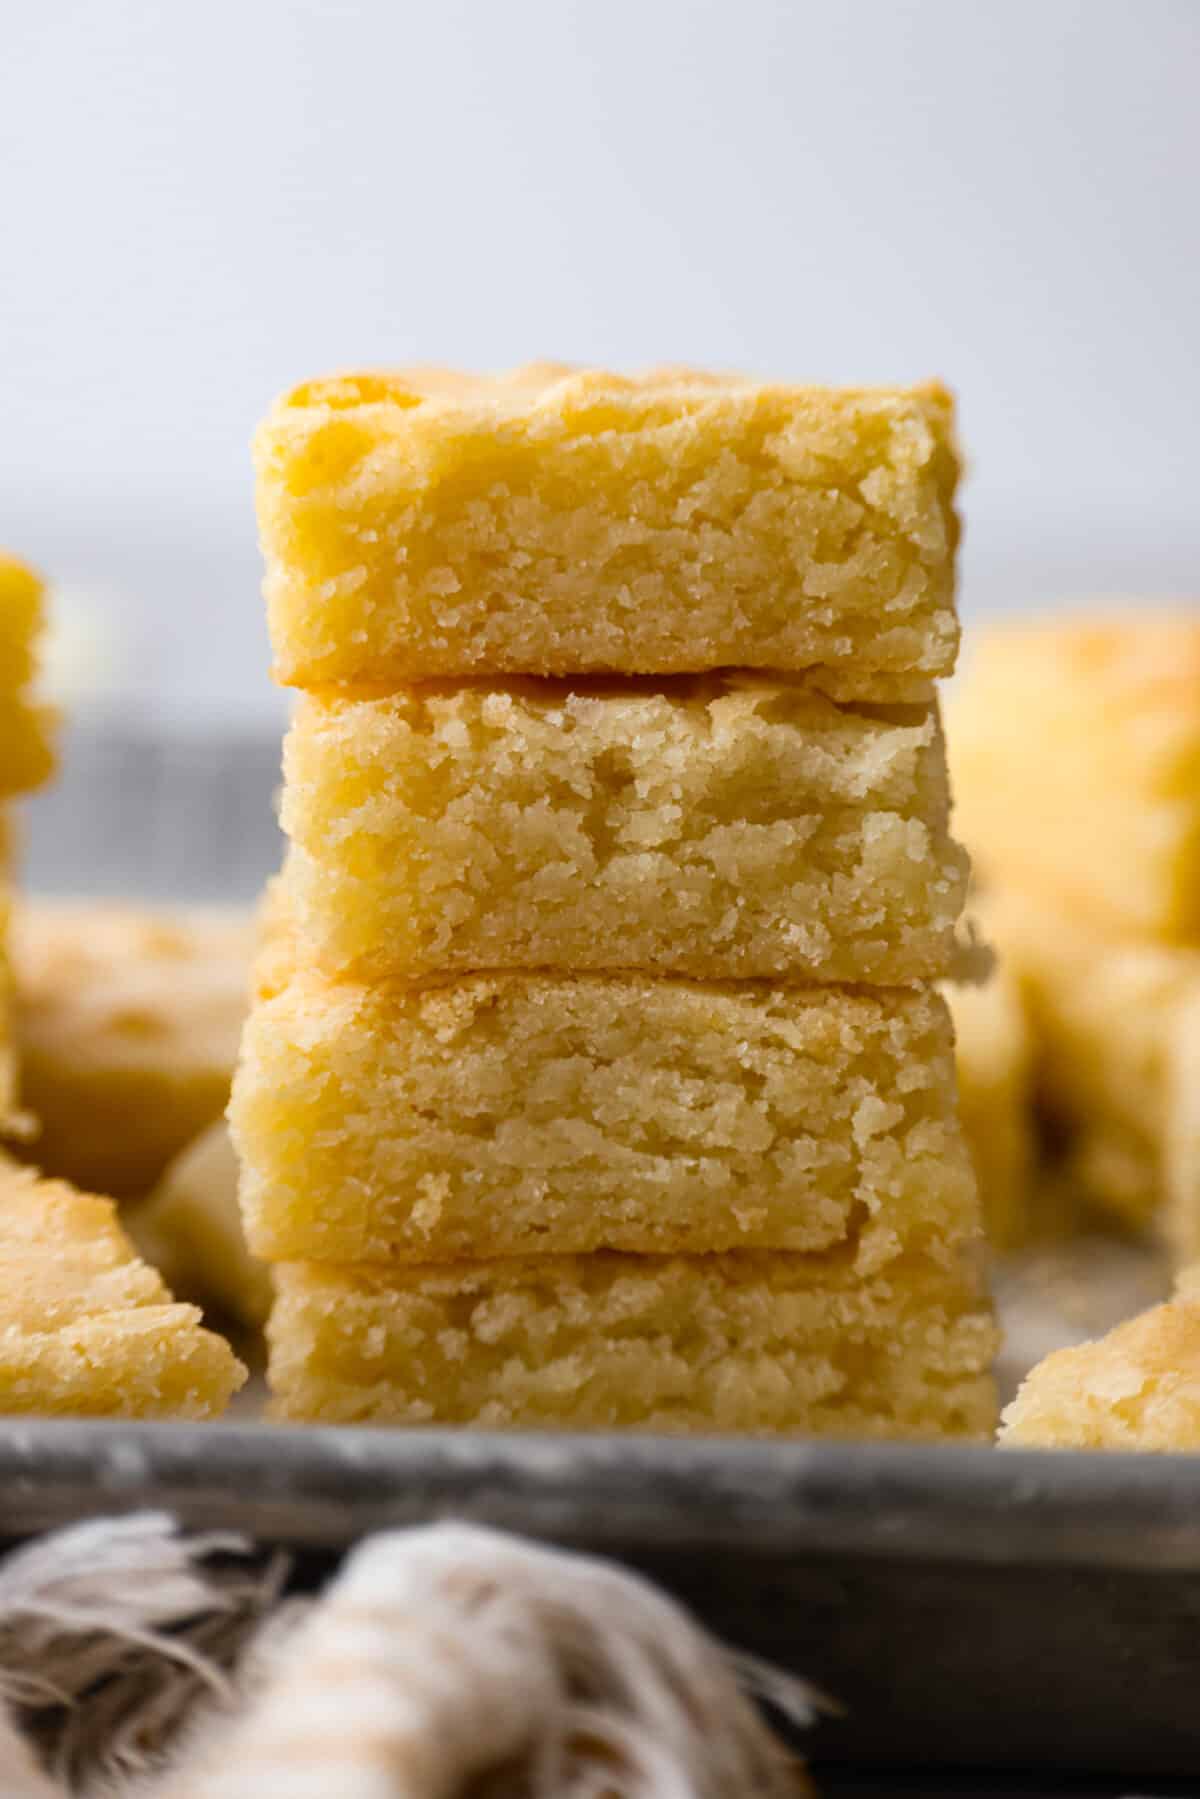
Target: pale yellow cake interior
[(727, 827), (512, 1114), (778, 1344)]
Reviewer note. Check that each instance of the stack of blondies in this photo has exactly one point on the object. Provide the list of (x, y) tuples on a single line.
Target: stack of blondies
[(26, 760), (598, 1075)]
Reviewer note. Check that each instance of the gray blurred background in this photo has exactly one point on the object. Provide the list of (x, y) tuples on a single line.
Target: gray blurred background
[(201, 204)]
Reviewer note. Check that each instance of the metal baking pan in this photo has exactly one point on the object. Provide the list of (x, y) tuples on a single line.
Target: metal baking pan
[(963, 1606)]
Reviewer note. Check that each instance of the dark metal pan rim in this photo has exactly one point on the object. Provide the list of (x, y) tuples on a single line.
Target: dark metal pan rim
[(325, 1488)]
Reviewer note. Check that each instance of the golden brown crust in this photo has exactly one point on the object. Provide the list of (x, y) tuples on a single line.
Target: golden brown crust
[(562, 386)]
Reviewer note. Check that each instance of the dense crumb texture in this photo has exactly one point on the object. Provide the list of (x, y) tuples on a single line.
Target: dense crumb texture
[(1136, 1388), (526, 1113), (129, 1023), (421, 524), (26, 728), (747, 1343), (85, 1327), (1075, 755), (720, 827), (994, 1059), (1103, 1014), (191, 1229)]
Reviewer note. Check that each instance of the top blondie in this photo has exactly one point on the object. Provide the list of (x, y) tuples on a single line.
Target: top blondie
[(549, 521)]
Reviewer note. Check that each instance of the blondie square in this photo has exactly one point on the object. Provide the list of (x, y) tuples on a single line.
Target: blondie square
[(753, 1343), (513, 1114), (994, 1059), (1075, 756), (722, 827), (87, 1328), (129, 1022), (26, 749), (1103, 1013), (1136, 1388), (191, 1230), (1181, 1180), (555, 521)]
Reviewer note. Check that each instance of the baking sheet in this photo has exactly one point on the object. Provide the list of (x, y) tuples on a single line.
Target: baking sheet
[(964, 1606)]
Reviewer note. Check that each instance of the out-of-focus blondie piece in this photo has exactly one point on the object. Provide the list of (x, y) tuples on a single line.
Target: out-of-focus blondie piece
[(1136, 1388), (513, 1114), (1181, 1181), (751, 1343), (1102, 1012), (191, 1229), (720, 827), (555, 521), (994, 1060), (1075, 756), (129, 1023), (13, 1122), (26, 749), (85, 1327)]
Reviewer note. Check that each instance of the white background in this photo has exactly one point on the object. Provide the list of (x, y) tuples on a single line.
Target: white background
[(202, 203)]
